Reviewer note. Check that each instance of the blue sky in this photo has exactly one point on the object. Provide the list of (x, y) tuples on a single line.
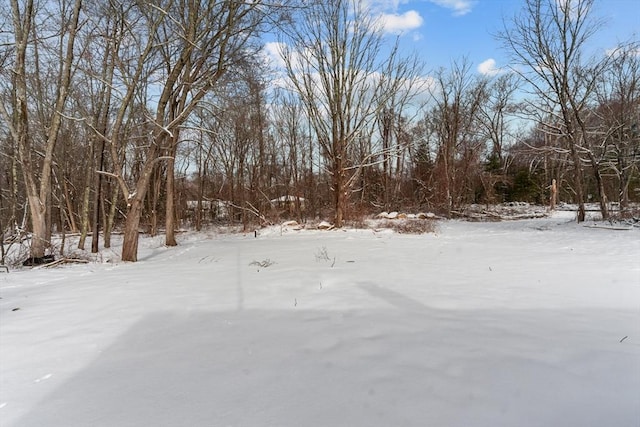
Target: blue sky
[(441, 31)]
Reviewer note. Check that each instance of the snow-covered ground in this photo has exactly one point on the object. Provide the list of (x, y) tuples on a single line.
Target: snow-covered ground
[(520, 323)]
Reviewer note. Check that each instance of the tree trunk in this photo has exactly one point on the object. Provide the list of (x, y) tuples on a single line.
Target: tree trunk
[(67, 198), (623, 193), (170, 215), (130, 243), (14, 185), (48, 205), (1, 235), (578, 177), (198, 211), (84, 215), (553, 199), (38, 227), (97, 203), (65, 217), (110, 218), (340, 192), (156, 181), (604, 210), (39, 195), (20, 130), (447, 180), (386, 157), (132, 223)]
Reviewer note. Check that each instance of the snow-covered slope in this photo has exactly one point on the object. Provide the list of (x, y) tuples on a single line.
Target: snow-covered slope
[(523, 323)]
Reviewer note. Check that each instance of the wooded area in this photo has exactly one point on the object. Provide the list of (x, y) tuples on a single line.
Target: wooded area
[(162, 114)]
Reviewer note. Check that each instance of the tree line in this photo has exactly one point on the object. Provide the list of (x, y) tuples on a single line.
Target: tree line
[(154, 114)]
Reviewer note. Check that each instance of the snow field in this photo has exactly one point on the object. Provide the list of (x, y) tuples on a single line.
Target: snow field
[(527, 323)]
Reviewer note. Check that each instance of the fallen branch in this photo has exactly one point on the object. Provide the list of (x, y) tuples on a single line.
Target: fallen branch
[(64, 261), (254, 211), (607, 227)]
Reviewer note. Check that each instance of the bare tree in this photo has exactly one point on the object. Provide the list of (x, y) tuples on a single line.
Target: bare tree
[(497, 111), (458, 97), (547, 42), (9, 171), (92, 100), (290, 133), (495, 119), (338, 64), (178, 50), (618, 114), (38, 180), (394, 124)]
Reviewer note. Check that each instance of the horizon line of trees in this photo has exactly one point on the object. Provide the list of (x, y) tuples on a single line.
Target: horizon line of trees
[(114, 115)]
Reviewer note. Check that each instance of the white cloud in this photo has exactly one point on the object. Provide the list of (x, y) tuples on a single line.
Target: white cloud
[(383, 5), (488, 68), (619, 50), (272, 54), (459, 7), (396, 23)]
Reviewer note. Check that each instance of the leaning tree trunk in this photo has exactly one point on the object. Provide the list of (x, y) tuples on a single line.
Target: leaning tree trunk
[(130, 242), (136, 203)]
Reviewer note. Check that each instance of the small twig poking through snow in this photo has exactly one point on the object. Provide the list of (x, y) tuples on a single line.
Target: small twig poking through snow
[(295, 302), (323, 255), (624, 338)]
